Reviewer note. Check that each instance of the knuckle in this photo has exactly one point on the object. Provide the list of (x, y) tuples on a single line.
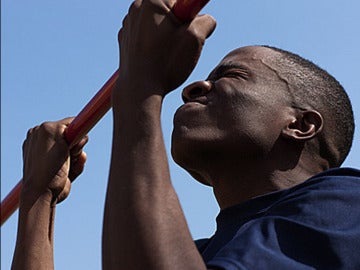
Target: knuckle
[(125, 20), (134, 6), (29, 133), (50, 129), (24, 145), (46, 127), (120, 35)]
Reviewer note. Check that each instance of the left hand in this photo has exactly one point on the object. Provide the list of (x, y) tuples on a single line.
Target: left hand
[(49, 165)]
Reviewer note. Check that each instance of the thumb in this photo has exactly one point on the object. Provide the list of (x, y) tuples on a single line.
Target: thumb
[(77, 166), (64, 193), (203, 26)]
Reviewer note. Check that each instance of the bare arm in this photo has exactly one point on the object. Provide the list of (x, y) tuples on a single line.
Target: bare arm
[(49, 168), (144, 226)]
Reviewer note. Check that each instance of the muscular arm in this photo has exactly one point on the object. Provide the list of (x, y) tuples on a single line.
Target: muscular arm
[(144, 226), (49, 168)]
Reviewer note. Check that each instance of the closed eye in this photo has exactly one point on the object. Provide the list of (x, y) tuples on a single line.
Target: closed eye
[(235, 74), (230, 71)]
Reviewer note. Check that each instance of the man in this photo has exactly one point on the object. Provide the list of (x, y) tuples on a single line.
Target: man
[(263, 129)]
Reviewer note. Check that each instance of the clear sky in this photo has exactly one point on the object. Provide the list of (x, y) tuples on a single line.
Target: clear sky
[(55, 55)]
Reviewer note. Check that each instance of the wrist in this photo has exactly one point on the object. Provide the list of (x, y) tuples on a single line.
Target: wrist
[(35, 231), (30, 195), (136, 87), (132, 98)]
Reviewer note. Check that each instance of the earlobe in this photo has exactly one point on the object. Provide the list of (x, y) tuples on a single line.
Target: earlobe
[(305, 126)]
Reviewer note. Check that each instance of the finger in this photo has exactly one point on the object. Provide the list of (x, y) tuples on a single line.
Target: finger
[(77, 148), (64, 193), (66, 121), (120, 35), (30, 131), (203, 26), (26, 142), (77, 166), (124, 21), (135, 5), (133, 14), (25, 147), (134, 9), (164, 4)]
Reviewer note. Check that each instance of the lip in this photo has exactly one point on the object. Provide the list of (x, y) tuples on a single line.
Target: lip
[(192, 104), (188, 110), (202, 100), (189, 107)]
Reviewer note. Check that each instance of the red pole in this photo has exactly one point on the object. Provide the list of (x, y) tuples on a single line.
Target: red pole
[(185, 10), (11, 202)]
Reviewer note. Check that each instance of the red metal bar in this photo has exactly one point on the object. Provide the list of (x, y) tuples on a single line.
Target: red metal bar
[(97, 107), (11, 202), (186, 10), (91, 113)]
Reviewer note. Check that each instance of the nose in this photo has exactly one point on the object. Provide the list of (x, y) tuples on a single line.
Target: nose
[(195, 90)]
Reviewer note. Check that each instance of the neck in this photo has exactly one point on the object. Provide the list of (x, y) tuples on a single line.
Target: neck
[(241, 184), (238, 184)]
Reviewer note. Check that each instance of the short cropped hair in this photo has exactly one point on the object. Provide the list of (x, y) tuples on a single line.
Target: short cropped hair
[(312, 86)]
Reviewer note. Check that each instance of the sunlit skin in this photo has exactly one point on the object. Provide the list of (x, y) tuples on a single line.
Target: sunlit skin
[(238, 132)]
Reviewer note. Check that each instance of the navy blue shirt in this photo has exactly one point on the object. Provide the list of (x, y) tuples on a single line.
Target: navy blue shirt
[(314, 225)]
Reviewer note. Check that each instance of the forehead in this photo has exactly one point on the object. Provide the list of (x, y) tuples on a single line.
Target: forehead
[(256, 59), (251, 53)]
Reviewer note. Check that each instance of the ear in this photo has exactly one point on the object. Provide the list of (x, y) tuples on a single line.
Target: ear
[(305, 126)]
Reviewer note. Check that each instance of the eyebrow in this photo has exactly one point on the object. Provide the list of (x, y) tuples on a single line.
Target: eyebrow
[(220, 70)]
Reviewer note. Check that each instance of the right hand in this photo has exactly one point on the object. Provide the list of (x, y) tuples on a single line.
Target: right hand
[(156, 49), (49, 165)]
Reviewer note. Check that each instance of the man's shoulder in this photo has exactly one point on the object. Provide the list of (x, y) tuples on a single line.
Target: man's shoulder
[(325, 198), (331, 180), (345, 172)]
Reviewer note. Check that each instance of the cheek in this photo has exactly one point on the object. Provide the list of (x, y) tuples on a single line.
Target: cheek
[(251, 123), (236, 113)]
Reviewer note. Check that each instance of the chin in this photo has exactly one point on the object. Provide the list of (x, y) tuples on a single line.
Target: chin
[(189, 161), (199, 178)]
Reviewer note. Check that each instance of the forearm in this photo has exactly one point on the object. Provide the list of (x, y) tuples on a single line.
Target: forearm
[(144, 227), (34, 244)]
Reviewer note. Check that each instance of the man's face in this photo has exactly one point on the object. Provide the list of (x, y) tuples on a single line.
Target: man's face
[(237, 113)]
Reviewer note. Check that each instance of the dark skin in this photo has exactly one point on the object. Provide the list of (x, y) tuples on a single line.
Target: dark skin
[(221, 136), (49, 168)]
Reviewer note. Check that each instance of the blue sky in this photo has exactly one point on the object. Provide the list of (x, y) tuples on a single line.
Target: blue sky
[(55, 55)]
